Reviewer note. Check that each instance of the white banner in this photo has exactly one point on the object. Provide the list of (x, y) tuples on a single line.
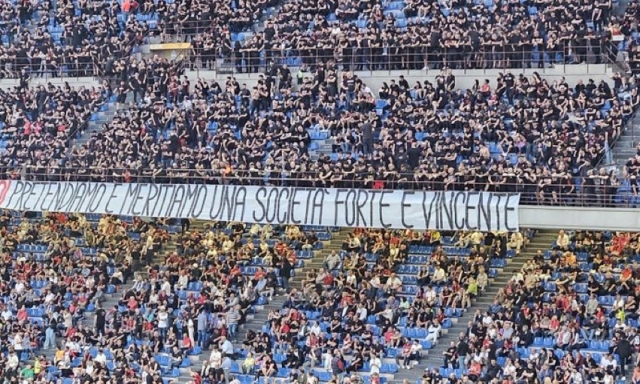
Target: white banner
[(486, 211)]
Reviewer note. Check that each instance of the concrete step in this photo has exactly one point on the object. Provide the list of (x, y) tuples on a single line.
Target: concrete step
[(435, 358)]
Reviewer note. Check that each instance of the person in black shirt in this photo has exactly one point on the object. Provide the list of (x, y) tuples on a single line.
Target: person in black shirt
[(450, 356), (100, 320)]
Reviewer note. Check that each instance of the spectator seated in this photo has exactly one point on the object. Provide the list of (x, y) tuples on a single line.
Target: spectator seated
[(445, 147), (570, 313)]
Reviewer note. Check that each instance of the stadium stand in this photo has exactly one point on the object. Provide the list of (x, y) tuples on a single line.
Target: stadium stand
[(88, 38), (571, 313), (110, 299), (387, 35), (199, 286), (521, 134)]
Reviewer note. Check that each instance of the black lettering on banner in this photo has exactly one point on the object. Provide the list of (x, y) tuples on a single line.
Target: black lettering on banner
[(25, 196), (165, 189), (240, 199), (382, 207), (65, 198), (350, 215), (153, 192), (78, 198), (292, 205), (46, 198), (497, 207), (226, 203), (37, 193), (308, 205), (272, 197), (134, 209), (438, 213), (129, 198), (338, 203), (196, 198), (484, 212), (100, 190), (361, 203), (427, 213), (176, 200), (460, 225), (282, 219), (260, 195), (469, 206), (404, 205), (70, 200), (17, 192), (373, 193), (113, 196), (507, 212), (318, 203), (59, 196), (447, 212)]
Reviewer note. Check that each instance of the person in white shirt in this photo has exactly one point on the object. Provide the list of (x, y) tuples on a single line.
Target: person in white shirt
[(101, 358), (563, 240), (226, 348), (608, 362), (393, 284), (166, 287), (255, 230), (13, 360), (414, 354), (6, 314), (430, 295), (516, 241), (362, 312), (216, 358), (476, 239), (439, 275), (332, 261), (163, 321), (17, 342), (315, 329), (375, 363), (433, 332)]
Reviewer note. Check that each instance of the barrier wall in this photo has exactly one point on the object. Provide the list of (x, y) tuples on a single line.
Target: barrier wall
[(465, 79), (345, 207), (580, 218), (86, 82)]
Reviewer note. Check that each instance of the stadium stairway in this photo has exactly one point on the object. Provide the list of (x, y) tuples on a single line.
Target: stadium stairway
[(255, 321), (434, 359), (97, 121), (625, 147)]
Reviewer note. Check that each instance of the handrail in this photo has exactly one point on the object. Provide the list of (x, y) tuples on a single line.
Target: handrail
[(392, 58), (576, 191), (420, 58)]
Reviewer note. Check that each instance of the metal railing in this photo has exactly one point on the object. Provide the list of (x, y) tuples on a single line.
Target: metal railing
[(574, 191), (417, 58)]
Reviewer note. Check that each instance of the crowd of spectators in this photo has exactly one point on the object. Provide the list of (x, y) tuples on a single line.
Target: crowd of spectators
[(55, 269), (85, 38), (60, 270), (387, 35), (39, 124), (375, 305), (570, 315), (521, 134)]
